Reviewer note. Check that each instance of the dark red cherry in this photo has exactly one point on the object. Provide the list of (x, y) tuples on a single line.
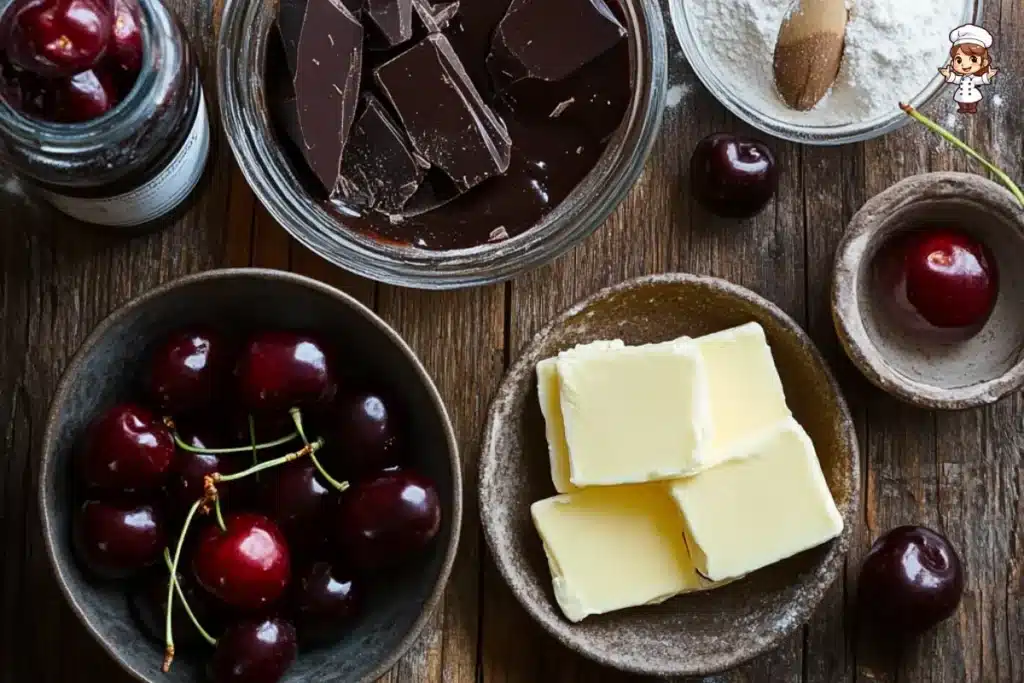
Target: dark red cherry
[(326, 602), (125, 48), (733, 176), (383, 521), (59, 38), (362, 432), (910, 581), (951, 278), (248, 566), (114, 539), (190, 469), (127, 449), (148, 604), (189, 371), (83, 97), (282, 370), (254, 652), (296, 499)]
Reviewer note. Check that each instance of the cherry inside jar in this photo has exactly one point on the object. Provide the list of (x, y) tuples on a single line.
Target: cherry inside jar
[(101, 108)]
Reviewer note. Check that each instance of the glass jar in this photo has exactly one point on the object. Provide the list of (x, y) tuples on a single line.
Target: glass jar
[(134, 167), (242, 49)]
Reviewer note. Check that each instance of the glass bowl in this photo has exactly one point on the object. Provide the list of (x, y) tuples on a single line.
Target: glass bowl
[(242, 46), (805, 134)]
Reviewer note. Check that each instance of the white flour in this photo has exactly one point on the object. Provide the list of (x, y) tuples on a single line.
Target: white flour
[(894, 49)]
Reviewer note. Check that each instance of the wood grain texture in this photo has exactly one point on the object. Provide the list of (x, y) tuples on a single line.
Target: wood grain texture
[(962, 474)]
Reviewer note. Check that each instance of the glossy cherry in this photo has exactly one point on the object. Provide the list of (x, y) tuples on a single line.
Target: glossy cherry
[(911, 580), (248, 566), (363, 434), (296, 498), (148, 603), (325, 601), (733, 176), (127, 449), (59, 38), (258, 651), (189, 371), (277, 371), (383, 521), (114, 539), (83, 97), (190, 469), (125, 48), (951, 278)]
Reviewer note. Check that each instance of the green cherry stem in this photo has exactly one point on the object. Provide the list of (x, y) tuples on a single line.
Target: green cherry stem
[(957, 142), (219, 513), (218, 478), (168, 628), (297, 419), (340, 486), (252, 440), (184, 602), (239, 449)]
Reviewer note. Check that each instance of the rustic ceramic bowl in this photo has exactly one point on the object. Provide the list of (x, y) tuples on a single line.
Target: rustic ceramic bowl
[(106, 369), (689, 635), (938, 371)]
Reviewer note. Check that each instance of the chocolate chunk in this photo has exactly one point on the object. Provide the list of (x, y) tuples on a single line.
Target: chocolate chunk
[(435, 18), (380, 167), (327, 84), (393, 18), (290, 16), (446, 119), (531, 40)]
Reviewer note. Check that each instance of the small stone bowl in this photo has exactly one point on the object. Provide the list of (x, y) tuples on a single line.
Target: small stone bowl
[(931, 370), (690, 635), (107, 368)]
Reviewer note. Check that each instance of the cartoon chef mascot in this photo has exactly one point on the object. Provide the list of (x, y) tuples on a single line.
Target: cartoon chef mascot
[(970, 65)]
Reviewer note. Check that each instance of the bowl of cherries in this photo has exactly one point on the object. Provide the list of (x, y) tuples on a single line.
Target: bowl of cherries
[(248, 477)]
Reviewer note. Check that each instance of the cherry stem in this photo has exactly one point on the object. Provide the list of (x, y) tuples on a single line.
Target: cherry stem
[(252, 440), (239, 449), (168, 628), (954, 140), (184, 602), (340, 486), (220, 515), (308, 449)]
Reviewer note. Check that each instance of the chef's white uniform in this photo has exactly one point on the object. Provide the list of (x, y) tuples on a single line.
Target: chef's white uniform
[(968, 92)]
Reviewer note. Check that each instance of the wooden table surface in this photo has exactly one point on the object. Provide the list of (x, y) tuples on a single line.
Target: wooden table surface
[(961, 473)]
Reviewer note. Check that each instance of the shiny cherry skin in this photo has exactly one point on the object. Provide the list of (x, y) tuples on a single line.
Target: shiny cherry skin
[(189, 371), (951, 278), (362, 432), (248, 566), (733, 176), (325, 602), (190, 469), (296, 498), (114, 539), (125, 48), (83, 97), (148, 604), (277, 371), (911, 580), (259, 651), (60, 38), (382, 522), (128, 449)]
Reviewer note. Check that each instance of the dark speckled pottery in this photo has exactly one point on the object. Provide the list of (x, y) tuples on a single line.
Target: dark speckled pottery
[(696, 634), (106, 369)]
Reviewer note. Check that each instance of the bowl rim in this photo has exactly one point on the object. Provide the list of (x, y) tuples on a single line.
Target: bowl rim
[(855, 246), (826, 572), (46, 468)]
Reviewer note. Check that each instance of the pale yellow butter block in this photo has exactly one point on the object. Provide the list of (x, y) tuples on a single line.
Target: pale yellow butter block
[(750, 512), (635, 414), (615, 547), (550, 406), (745, 388)]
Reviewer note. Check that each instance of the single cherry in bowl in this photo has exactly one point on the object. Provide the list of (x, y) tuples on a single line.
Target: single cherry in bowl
[(116, 539), (128, 449), (258, 651), (911, 580), (83, 97), (59, 38), (733, 176), (186, 482), (281, 370), (363, 433), (190, 370), (326, 601), (296, 498)]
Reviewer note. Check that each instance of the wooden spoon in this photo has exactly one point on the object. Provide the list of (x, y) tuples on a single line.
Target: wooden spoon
[(809, 51)]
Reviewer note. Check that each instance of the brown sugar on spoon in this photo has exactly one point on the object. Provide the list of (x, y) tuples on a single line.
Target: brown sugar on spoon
[(809, 51)]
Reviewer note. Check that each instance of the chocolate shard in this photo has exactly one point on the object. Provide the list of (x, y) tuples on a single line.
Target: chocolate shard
[(531, 41), (393, 18), (435, 18), (447, 121), (380, 169), (290, 16), (327, 73)]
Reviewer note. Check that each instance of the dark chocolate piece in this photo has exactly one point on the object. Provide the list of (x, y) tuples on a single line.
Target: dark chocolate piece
[(435, 18), (531, 41), (446, 119), (290, 16), (327, 75), (380, 167), (393, 18)]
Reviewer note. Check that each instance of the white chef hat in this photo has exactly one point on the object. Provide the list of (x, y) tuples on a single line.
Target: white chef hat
[(970, 34)]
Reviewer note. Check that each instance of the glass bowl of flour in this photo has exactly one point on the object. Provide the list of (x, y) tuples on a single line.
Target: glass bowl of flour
[(894, 50)]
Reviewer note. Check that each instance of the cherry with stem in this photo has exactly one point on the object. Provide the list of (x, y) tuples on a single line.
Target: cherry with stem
[(341, 486)]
